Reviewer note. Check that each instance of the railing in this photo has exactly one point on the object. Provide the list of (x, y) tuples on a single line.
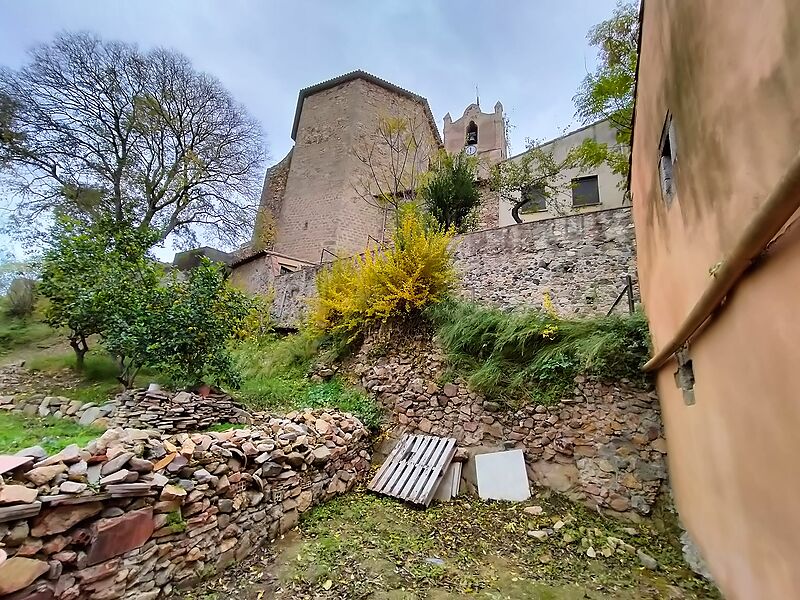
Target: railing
[(627, 290), (381, 245), (322, 255)]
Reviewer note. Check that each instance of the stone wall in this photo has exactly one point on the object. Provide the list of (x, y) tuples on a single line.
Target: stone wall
[(580, 261), (136, 515), (292, 291), (156, 410), (602, 444)]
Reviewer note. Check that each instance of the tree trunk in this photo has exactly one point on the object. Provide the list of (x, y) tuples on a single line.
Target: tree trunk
[(515, 211), (80, 347)]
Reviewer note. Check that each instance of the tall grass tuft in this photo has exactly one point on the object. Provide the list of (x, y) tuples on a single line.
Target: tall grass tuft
[(525, 356)]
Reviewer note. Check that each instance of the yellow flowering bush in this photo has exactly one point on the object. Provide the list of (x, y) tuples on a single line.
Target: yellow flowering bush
[(383, 284)]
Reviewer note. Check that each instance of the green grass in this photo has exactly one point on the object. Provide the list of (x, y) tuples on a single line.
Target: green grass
[(18, 432), (99, 367), (275, 378), (365, 546), (223, 426), (15, 333), (533, 356)]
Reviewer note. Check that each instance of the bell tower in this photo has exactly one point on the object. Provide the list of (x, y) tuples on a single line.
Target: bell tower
[(478, 134)]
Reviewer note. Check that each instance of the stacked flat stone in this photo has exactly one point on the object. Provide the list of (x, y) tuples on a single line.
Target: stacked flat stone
[(183, 411), (137, 514), (142, 409), (601, 444), (85, 413)]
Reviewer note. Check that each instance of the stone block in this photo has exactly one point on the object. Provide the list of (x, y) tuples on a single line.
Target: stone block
[(115, 536), (61, 518), (17, 573)]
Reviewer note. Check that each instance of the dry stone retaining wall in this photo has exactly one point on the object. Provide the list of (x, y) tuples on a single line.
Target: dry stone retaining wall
[(602, 444), (579, 261), (137, 514)]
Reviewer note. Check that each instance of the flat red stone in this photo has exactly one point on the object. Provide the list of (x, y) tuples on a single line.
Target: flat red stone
[(9, 463), (115, 536)]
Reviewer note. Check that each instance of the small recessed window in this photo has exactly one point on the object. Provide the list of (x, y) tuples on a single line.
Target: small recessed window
[(284, 270), (666, 162), (472, 134), (535, 200), (585, 191)]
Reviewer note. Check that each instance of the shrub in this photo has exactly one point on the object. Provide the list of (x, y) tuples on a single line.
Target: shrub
[(21, 298), (415, 272), (449, 192), (533, 355), (181, 328)]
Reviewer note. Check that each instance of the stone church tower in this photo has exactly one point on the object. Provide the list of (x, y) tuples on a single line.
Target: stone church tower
[(482, 135), (310, 207), (478, 133)]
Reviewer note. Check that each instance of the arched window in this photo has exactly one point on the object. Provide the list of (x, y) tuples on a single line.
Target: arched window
[(472, 134)]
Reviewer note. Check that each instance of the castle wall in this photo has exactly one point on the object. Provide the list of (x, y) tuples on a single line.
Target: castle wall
[(270, 205), (579, 261), (321, 207), (602, 443), (318, 174)]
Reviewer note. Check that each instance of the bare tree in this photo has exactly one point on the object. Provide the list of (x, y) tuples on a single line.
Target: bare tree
[(534, 177), (92, 128), (393, 158)]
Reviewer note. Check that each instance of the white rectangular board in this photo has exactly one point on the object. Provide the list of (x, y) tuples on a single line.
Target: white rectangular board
[(502, 476), (450, 483)]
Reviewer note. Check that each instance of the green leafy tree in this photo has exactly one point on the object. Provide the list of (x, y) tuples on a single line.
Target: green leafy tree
[(532, 177), (182, 329), (93, 274), (608, 92), (449, 192), (102, 130)]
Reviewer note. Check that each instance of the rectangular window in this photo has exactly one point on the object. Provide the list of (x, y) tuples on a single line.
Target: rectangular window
[(666, 161), (535, 200), (585, 191)]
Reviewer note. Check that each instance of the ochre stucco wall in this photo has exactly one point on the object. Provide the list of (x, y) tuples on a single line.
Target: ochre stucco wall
[(729, 73)]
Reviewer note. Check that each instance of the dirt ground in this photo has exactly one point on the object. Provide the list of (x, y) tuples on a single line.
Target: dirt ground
[(363, 546)]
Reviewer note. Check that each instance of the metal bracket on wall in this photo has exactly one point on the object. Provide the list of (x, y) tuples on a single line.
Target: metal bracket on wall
[(684, 376)]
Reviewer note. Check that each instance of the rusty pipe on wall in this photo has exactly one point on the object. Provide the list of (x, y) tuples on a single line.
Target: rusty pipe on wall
[(776, 211)]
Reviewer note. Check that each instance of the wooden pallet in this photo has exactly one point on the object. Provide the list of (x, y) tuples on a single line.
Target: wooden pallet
[(414, 468)]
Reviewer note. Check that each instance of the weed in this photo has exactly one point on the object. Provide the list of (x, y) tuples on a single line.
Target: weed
[(535, 356), (176, 522), (222, 426), (275, 378)]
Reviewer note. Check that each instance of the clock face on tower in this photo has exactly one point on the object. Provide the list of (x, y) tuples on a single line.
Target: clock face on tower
[(471, 150)]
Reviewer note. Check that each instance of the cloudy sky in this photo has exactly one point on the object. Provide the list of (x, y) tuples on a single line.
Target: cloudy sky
[(529, 54)]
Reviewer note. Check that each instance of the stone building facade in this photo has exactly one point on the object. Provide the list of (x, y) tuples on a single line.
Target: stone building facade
[(312, 195), (579, 190), (479, 134)]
